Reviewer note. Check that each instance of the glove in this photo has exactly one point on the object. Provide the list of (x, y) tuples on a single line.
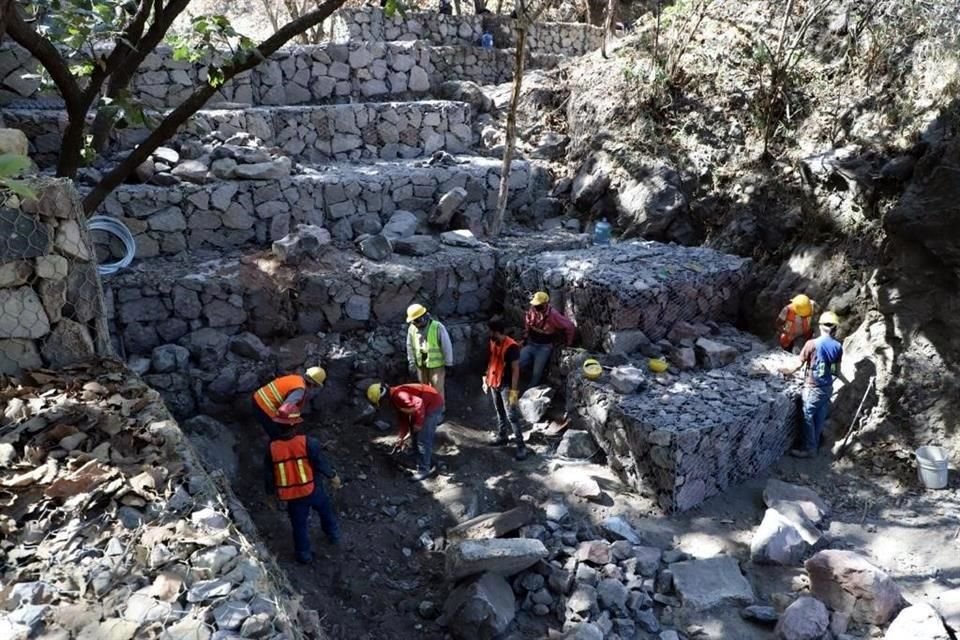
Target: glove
[(335, 482), (486, 387), (514, 397)]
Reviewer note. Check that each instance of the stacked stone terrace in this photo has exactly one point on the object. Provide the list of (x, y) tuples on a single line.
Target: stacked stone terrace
[(688, 434)]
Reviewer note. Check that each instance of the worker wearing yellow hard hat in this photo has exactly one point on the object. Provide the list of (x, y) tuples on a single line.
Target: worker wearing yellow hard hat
[(543, 328), (820, 359), (418, 411), (795, 322), (279, 403), (429, 349)]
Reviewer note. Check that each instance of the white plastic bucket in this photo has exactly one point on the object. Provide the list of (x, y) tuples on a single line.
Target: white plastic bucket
[(932, 463)]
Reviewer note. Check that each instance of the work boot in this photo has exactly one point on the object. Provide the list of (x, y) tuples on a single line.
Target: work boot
[(801, 453), (522, 453), (307, 559), (499, 440), (423, 474)]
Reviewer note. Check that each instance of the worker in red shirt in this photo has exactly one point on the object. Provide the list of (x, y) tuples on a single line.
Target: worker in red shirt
[(543, 327), (280, 403), (419, 409)]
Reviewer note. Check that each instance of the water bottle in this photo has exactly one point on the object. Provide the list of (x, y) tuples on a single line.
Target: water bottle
[(601, 232), (486, 40)]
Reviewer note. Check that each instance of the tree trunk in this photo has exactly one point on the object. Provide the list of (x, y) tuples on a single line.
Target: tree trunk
[(496, 225), (5, 6), (608, 26)]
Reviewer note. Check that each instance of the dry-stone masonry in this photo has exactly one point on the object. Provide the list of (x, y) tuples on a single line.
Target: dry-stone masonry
[(684, 436), (631, 285), (51, 305)]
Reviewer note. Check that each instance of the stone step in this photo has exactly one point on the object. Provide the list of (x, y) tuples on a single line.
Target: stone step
[(347, 199), (317, 74), (161, 300), (371, 24), (309, 133)]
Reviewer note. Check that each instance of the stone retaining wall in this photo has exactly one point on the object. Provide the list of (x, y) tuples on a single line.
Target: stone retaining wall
[(689, 435), (372, 25), (51, 305), (483, 66), (366, 131), (632, 285), (349, 201)]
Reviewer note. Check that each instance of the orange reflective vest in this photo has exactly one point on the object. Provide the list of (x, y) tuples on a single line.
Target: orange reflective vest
[(270, 397), (496, 364), (794, 326), (292, 473)]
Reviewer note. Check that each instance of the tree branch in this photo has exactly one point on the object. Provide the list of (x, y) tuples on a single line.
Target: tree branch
[(129, 38), (172, 121), (48, 56)]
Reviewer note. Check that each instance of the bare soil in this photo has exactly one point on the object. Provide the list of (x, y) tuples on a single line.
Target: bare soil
[(372, 585)]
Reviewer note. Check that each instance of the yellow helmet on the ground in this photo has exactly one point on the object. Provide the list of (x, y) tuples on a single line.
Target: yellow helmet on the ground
[(539, 298), (592, 369), (374, 393), (317, 374), (415, 311), (830, 319), (802, 306), (657, 365)]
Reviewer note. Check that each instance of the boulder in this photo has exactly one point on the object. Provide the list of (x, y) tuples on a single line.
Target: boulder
[(69, 342), (713, 582), (272, 170), (578, 445), (653, 205), (760, 614), (376, 247), (460, 238), (849, 583), (626, 341), (307, 241), (466, 91), (170, 357), (192, 171), (619, 529), (918, 622), (402, 224), (553, 146), (14, 141), (594, 552), (503, 557), (778, 541), (22, 314), (416, 245), (480, 609), (447, 206), (790, 499), (584, 631), (948, 605), (713, 355), (806, 619), (535, 402), (590, 184), (627, 379)]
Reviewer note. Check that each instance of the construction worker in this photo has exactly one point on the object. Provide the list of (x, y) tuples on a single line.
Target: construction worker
[(419, 409), (291, 465), (429, 350), (821, 360), (502, 382), (543, 327), (795, 323), (280, 403)]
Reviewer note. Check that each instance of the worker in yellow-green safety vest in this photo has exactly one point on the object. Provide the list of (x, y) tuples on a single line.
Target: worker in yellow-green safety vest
[(429, 350)]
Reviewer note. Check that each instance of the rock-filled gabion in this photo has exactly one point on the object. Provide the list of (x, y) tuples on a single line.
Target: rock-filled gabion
[(632, 285), (114, 529), (51, 304), (686, 436)]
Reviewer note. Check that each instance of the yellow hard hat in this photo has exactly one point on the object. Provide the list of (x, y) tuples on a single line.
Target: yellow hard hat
[(415, 311), (317, 374), (540, 297), (802, 306), (657, 365), (374, 393), (829, 318), (592, 369)]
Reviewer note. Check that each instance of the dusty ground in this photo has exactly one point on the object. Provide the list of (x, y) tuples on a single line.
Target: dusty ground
[(372, 586)]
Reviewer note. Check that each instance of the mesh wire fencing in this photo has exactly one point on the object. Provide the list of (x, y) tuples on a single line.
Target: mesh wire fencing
[(51, 300)]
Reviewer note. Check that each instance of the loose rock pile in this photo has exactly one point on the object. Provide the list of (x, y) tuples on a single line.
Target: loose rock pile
[(112, 529), (684, 436)]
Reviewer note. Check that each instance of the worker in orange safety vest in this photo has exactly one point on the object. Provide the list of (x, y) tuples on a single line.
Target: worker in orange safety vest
[(281, 402), (795, 323), (502, 382), (290, 468)]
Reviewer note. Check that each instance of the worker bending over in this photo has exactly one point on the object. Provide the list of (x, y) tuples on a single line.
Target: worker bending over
[(543, 327), (429, 350), (280, 403), (795, 323), (291, 466), (821, 360), (502, 382), (419, 412)]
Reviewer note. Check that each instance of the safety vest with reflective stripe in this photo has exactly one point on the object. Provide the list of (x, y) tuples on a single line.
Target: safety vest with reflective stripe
[(432, 356), (794, 326), (292, 473), (270, 397), (496, 364)]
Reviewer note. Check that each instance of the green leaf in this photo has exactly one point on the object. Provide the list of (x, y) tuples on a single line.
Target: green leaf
[(215, 77), (22, 189), (12, 165)]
